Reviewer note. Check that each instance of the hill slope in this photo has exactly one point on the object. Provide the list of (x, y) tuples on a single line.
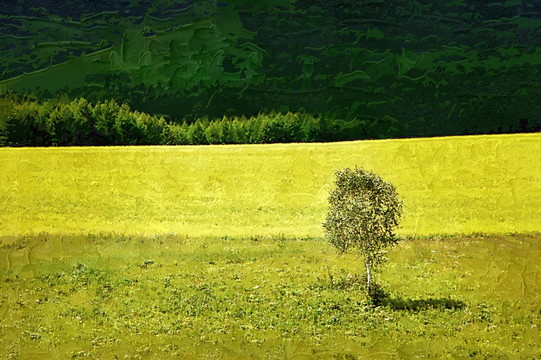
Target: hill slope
[(435, 67), (457, 184)]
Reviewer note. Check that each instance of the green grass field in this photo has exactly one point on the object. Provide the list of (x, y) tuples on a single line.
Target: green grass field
[(217, 252), (268, 298), (448, 185)]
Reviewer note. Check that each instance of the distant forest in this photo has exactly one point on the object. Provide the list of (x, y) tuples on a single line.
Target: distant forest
[(61, 122), (306, 70)]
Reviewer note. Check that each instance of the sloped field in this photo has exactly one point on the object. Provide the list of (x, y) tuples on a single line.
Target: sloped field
[(488, 184)]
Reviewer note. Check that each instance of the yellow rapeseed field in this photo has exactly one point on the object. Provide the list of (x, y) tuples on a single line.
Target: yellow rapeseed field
[(468, 184)]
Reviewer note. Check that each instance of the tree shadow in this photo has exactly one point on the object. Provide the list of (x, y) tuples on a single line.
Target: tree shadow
[(399, 303), (381, 297)]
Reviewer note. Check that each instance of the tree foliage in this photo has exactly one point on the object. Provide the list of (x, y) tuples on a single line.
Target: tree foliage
[(363, 212), (24, 121)]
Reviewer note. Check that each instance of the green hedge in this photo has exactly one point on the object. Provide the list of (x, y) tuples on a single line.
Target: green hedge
[(60, 122)]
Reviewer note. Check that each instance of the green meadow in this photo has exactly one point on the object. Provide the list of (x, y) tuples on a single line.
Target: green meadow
[(217, 252), (268, 298)]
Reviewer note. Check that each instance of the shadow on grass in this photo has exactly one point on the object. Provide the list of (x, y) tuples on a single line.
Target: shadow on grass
[(381, 297), (399, 303)]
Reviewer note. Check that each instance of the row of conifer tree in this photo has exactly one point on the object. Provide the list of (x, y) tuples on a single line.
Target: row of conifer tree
[(60, 122)]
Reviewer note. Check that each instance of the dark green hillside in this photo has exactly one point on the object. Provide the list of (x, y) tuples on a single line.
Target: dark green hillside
[(378, 68)]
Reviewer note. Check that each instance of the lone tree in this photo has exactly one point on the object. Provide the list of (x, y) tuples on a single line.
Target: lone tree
[(363, 212)]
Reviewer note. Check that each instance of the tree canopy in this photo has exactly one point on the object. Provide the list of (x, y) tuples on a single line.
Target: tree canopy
[(364, 211)]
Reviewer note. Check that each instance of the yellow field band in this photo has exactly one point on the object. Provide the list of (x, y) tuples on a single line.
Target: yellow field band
[(467, 184)]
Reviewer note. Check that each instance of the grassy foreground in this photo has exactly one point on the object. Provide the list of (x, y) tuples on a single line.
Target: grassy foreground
[(267, 298), (449, 185)]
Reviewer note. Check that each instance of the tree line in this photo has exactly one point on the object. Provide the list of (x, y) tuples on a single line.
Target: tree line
[(60, 122)]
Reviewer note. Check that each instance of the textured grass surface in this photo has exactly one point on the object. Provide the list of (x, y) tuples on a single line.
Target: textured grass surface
[(489, 184), (268, 298)]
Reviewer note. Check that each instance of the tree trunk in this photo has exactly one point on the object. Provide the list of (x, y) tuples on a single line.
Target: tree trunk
[(368, 275)]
